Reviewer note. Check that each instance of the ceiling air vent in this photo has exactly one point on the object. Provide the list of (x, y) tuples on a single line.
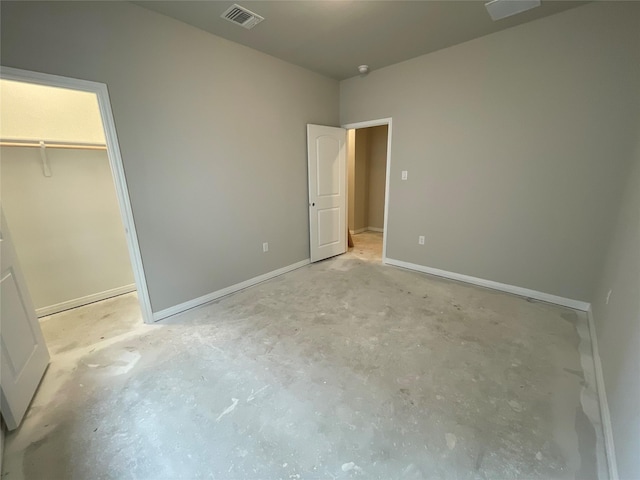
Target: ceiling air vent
[(499, 9), (241, 16)]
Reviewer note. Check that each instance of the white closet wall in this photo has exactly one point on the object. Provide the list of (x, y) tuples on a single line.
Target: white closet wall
[(36, 112)]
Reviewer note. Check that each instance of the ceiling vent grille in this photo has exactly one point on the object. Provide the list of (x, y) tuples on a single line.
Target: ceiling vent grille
[(241, 16), (499, 9)]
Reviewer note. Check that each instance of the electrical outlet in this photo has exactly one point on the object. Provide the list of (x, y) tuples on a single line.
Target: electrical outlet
[(265, 247), (405, 174), (608, 296), (421, 240)]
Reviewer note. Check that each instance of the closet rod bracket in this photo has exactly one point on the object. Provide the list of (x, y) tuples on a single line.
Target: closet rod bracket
[(46, 170)]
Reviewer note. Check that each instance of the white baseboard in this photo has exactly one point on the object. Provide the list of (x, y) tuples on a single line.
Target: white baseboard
[(366, 229), (605, 415), (78, 302), (503, 287), (196, 302)]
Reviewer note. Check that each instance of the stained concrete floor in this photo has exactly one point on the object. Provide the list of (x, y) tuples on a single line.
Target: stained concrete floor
[(341, 369)]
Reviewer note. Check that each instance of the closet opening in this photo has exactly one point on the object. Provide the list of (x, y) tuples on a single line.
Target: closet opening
[(63, 213)]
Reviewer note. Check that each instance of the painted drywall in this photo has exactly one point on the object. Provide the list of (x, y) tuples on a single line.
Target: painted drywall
[(617, 325), (35, 112), (361, 182), (513, 144), (368, 179), (212, 136), (66, 228), (351, 178), (377, 170)]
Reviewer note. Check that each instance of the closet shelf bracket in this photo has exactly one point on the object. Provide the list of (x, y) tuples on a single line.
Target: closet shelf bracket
[(46, 170)]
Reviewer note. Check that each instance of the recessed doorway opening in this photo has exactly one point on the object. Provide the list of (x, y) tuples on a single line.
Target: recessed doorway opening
[(59, 197), (368, 162), (59, 144)]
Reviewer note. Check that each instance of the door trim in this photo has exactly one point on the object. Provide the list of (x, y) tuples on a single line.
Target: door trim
[(115, 161), (376, 123)]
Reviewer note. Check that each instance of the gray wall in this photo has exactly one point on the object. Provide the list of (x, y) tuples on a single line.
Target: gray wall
[(361, 182), (66, 228), (514, 144), (377, 175), (212, 135), (618, 325)]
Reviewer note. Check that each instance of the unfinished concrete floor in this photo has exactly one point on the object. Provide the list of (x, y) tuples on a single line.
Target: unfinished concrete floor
[(342, 369)]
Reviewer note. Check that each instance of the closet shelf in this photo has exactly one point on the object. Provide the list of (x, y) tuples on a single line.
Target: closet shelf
[(45, 144)]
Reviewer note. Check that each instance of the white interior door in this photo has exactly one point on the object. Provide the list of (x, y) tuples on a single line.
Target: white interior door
[(327, 191), (24, 353)]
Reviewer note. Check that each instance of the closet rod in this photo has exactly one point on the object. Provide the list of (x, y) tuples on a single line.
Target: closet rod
[(68, 145)]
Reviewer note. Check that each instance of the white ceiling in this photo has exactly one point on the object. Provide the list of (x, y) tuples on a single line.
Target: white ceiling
[(333, 37)]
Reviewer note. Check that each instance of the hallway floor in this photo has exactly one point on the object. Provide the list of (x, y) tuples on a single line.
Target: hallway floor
[(342, 369), (367, 246)]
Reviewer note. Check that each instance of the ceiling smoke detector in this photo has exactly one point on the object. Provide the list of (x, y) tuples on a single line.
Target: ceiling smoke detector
[(241, 16), (363, 69)]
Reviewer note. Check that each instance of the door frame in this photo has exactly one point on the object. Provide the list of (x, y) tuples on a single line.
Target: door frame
[(376, 123), (115, 162)]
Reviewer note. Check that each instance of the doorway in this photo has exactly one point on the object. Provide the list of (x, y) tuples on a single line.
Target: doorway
[(59, 198), (368, 156), (65, 194)]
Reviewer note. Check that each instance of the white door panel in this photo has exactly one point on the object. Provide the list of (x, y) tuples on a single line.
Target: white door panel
[(327, 191), (24, 354), (328, 166), (328, 226)]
